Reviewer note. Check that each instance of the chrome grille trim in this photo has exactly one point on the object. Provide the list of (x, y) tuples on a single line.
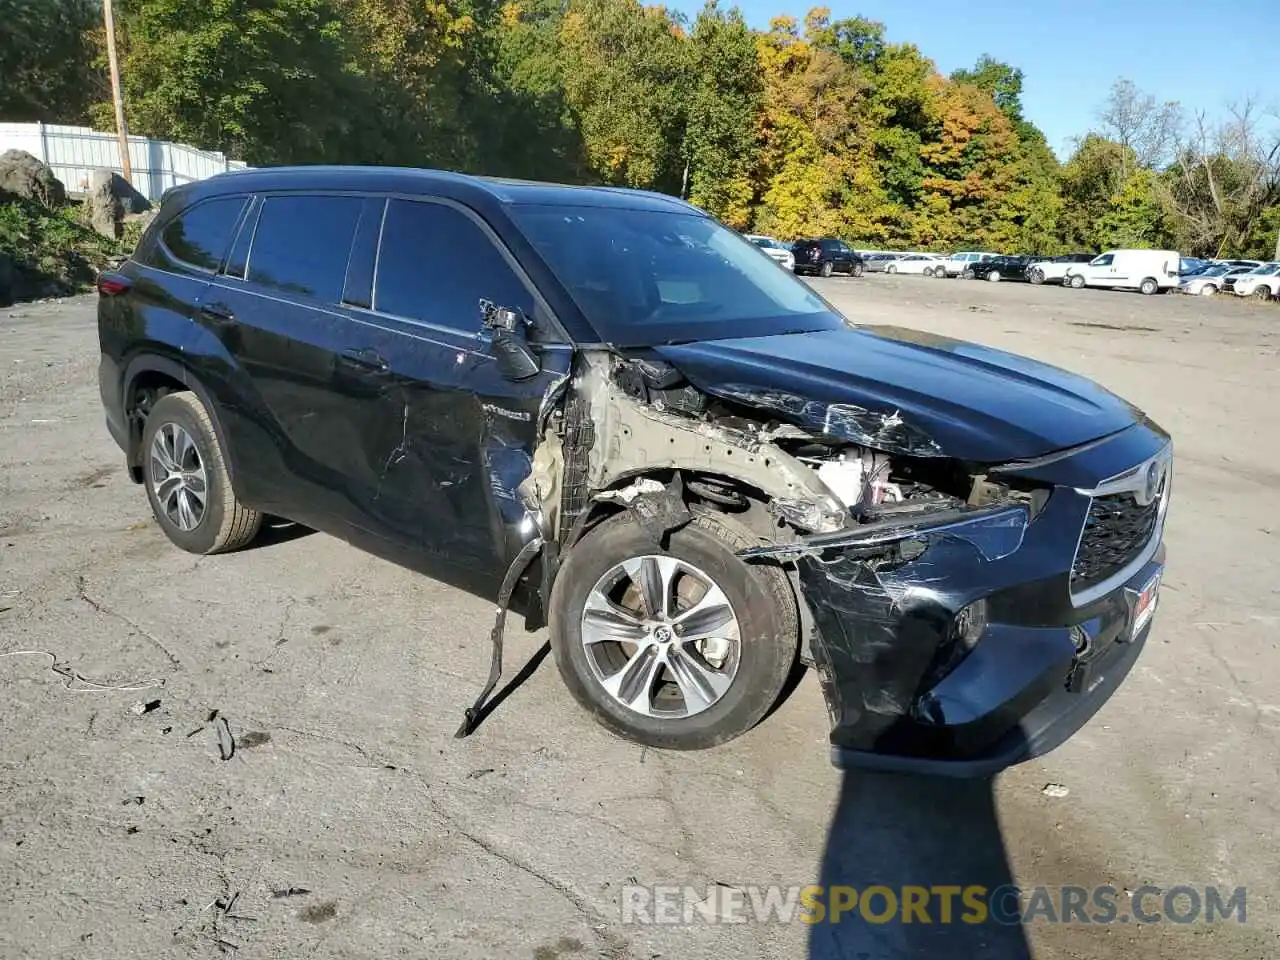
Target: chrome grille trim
[(1132, 481)]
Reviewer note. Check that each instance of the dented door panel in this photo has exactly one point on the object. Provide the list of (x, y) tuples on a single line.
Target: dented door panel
[(445, 442)]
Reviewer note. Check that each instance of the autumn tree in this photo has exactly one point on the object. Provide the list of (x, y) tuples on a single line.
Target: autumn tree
[(626, 71)]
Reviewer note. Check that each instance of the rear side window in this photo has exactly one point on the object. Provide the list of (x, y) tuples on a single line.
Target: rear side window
[(201, 235), (302, 244), (436, 264)]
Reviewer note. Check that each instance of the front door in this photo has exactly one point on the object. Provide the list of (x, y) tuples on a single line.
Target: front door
[(448, 439), (1100, 271)]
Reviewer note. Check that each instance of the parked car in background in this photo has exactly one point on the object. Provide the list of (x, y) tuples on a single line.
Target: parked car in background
[(1262, 282), (921, 264), (999, 268), (1211, 280), (958, 263), (1239, 263), (824, 256), (1055, 270), (775, 249), (876, 262), (1147, 271), (1193, 265)]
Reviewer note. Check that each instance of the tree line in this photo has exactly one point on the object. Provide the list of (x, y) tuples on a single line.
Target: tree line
[(813, 127)]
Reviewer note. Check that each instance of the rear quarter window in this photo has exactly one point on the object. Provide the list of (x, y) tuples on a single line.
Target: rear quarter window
[(199, 236)]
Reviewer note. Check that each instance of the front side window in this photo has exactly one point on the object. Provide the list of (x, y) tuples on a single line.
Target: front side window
[(436, 264), (302, 244), (201, 235), (1102, 261), (645, 278)]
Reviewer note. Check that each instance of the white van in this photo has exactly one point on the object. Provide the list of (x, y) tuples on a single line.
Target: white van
[(1149, 271)]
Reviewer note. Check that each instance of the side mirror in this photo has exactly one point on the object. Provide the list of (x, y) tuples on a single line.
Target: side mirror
[(514, 358), (511, 351)]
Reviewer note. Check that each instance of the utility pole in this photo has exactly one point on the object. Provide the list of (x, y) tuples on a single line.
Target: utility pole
[(122, 132)]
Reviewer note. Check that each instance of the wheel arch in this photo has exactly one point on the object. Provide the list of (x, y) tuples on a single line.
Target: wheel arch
[(156, 371)]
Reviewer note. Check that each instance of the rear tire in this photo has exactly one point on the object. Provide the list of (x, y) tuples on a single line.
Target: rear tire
[(1148, 287), (185, 474), (857, 270), (758, 597), (967, 275)]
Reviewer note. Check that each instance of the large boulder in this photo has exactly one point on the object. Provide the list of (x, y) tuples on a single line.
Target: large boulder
[(22, 175), (102, 206)]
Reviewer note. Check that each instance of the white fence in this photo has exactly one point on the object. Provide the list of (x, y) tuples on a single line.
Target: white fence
[(73, 152)]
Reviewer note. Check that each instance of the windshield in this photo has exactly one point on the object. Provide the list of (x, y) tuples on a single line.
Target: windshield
[(645, 278), (1216, 270), (1266, 270)]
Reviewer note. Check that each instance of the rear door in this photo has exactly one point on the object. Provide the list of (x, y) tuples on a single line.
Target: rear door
[(276, 308), (447, 439)]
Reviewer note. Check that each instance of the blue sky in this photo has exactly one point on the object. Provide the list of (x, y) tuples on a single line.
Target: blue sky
[(1071, 52)]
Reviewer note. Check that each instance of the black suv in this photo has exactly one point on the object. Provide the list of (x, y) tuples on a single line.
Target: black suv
[(606, 410), (826, 256)]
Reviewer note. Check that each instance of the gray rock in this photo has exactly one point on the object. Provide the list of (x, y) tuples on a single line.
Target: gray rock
[(22, 175), (102, 205)]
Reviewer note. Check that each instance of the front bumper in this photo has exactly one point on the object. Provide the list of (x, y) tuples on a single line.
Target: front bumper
[(904, 692)]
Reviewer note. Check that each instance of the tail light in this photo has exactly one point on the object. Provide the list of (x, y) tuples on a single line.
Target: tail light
[(112, 285)]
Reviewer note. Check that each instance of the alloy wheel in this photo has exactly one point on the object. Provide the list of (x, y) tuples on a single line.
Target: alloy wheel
[(178, 477), (661, 637)]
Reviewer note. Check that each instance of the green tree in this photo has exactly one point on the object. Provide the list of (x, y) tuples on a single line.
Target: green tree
[(265, 83), (723, 128), (47, 69), (1000, 80)]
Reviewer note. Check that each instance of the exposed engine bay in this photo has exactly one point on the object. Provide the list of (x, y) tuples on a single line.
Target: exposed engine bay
[(644, 422)]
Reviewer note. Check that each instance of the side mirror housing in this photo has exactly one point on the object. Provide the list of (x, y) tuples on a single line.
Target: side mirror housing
[(511, 351)]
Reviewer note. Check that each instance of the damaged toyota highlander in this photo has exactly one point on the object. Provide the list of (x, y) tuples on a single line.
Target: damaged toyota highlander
[(605, 410)]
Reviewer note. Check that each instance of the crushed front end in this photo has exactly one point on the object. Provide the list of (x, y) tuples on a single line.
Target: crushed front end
[(961, 639)]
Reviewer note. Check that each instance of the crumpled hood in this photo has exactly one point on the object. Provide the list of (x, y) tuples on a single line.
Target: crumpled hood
[(905, 391)]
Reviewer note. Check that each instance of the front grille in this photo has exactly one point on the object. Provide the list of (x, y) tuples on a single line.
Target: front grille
[(1115, 533)]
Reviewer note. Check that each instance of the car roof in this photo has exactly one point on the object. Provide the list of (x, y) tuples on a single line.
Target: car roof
[(466, 188)]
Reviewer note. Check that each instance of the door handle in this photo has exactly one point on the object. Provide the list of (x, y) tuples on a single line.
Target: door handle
[(218, 314), (366, 358)]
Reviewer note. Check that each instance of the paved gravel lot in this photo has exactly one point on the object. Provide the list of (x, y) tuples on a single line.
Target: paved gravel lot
[(350, 823)]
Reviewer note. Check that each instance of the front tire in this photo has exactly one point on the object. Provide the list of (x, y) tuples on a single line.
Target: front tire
[(994, 276), (857, 270), (967, 275), (623, 617), (1263, 293), (1208, 290), (891, 269), (1036, 277), (1076, 282), (185, 474)]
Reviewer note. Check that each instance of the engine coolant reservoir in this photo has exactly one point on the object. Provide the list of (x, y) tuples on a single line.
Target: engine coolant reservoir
[(843, 476)]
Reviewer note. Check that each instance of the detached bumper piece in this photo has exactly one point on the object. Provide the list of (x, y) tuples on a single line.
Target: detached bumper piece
[(951, 647)]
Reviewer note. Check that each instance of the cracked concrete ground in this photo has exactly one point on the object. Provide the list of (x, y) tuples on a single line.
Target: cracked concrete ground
[(350, 823)]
